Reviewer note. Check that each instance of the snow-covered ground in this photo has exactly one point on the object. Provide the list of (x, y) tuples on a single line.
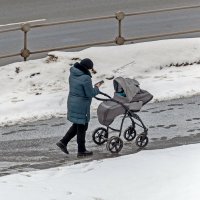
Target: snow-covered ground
[(167, 174), (38, 89)]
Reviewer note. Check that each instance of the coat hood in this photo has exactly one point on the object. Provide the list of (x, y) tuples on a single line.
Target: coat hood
[(76, 72), (79, 70)]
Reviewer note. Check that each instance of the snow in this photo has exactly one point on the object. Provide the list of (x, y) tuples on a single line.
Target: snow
[(38, 89), (154, 175)]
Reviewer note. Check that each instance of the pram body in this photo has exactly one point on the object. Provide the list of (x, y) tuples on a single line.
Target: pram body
[(128, 104)]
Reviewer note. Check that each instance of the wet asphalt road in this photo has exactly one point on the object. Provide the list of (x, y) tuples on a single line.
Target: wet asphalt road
[(32, 146), (81, 33)]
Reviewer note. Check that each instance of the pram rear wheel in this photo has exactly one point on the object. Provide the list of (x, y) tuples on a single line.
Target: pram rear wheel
[(114, 144), (100, 135), (130, 133), (142, 140)]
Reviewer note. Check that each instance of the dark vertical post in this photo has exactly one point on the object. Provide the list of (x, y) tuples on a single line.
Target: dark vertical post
[(25, 53), (119, 39)]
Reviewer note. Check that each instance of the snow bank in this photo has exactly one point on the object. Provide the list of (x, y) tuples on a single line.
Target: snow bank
[(38, 89)]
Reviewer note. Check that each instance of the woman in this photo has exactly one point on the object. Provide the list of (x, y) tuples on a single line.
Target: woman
[(79, 100)]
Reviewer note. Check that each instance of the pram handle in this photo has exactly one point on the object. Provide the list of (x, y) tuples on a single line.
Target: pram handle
[(102, 99), (111, 99)]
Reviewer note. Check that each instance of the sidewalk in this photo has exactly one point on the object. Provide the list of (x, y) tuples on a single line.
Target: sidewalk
[(32, 146)]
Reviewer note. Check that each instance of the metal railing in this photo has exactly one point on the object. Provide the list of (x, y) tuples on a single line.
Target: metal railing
[(119, 40)]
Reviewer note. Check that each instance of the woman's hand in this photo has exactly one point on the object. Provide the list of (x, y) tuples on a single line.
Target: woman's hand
[(99, 83)]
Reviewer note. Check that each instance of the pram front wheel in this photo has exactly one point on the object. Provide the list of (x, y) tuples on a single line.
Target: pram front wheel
[(100, 135), (142, 140), (130, 133), (114, 144)]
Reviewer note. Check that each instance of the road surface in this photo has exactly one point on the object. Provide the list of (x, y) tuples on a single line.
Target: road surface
[(57, 36), (32, 146)]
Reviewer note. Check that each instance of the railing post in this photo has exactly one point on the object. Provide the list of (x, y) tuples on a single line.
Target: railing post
[(119, 39), (25, 53)]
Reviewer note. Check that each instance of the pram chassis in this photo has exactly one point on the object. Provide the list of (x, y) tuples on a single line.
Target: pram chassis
[(114, 143)]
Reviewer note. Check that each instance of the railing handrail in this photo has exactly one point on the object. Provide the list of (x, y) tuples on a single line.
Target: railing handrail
[(162, 35), (73, 21), (162, 10), (10, 30), (73, 46), (103, 17), (26, 27)]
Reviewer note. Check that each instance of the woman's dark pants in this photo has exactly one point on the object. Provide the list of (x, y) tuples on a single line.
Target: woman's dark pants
[(80, 131)]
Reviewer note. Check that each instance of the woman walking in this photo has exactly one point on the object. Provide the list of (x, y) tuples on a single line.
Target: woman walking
[(81, 92)]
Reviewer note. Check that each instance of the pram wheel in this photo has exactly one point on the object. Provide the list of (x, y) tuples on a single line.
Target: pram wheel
[(114, 144), (142, 140), (100, 135), (130, 133)]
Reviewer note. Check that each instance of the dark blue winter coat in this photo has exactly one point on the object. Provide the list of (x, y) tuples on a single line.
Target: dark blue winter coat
[(80, 96)]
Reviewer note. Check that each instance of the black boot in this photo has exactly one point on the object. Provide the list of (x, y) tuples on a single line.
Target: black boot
[(84, 153), (62, 147), (62, 144), (81, 132)]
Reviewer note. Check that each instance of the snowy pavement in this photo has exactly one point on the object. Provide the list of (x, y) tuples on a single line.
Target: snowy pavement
[(164, 174), (32, 146), (37, 90)]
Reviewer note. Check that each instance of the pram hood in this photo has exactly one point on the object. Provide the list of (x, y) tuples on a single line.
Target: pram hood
[(130, 87), (134, 99)]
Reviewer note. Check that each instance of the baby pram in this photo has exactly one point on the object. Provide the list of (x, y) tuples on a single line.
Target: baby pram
[(127, 100)]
